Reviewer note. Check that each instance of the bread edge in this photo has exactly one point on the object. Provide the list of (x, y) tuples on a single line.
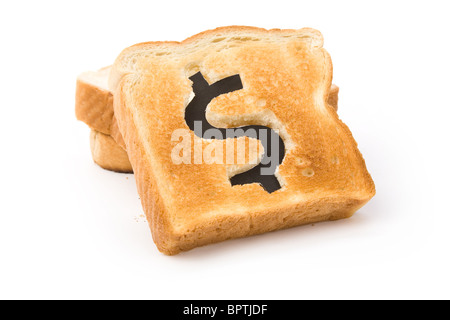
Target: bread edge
[(108, 154), (169, 242)]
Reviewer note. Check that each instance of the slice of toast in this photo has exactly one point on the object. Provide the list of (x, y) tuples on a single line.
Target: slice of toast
[(277, 79), (94, 106)]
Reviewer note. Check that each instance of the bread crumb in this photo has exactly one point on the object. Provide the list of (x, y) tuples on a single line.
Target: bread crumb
[(140, 218)]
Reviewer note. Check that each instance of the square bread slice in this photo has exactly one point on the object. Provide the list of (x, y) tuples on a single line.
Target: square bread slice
[(282, 79), (108, 154)]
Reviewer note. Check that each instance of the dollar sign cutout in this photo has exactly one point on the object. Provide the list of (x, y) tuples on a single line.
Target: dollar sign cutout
[(264, 172)]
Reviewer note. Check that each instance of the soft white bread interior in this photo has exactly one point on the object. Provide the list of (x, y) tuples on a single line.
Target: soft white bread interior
[(323, 175)]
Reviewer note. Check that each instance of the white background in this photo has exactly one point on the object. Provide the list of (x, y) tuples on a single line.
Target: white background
[(69, 229)]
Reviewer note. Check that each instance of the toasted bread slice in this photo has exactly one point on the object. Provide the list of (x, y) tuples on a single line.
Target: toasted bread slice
[(93, 100), (94, 106), (94, 103), (285, 82)]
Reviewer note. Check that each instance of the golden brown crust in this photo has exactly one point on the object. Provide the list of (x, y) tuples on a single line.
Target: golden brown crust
[(91, 97), (192, 205), (94, 106), (108, 154), (334, 96)]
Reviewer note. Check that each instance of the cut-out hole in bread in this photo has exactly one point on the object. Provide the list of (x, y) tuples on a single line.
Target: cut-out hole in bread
[(195, 113)]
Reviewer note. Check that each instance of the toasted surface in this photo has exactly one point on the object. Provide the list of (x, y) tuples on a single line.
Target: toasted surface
[(108, 154), (323, 174)]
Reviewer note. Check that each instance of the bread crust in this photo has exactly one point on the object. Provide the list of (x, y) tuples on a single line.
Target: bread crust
[(108, 154), (193, 205), (94, 106)]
